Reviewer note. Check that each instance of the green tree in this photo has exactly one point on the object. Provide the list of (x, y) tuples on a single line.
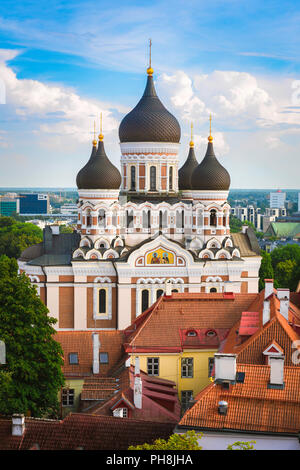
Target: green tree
[(284, 272), (187, 441), (32, 375), (16, 236), (65, 229), (286, 266), (235, 224), (241, 445), (266, 269)]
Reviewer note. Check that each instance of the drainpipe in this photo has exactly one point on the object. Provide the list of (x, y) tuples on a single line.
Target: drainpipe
[(117, 294)]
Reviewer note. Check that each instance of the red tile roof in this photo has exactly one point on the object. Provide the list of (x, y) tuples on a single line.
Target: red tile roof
[(252, 406), (89, 432), (82, 343), (185, 311)]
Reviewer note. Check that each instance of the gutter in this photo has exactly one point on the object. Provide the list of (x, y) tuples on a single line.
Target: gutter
[(237, 431)]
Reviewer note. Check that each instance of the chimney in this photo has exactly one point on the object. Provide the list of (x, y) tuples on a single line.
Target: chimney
[(269, 287), (276, 372), (284, 296), (222, 407), (18, 424), (168, 288), (96, 346), (225, 367), (266, 311), (137, 385), (244, 228)]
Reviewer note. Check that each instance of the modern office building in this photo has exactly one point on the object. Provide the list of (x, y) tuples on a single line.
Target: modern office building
[(34, 204), (8, 206), (277, 200)]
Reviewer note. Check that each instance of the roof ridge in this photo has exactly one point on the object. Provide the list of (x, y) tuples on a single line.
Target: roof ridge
[(135, 335)]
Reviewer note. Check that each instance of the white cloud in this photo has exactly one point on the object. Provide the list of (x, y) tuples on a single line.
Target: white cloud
[(64, 110)]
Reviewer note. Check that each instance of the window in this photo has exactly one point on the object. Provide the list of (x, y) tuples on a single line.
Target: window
[(121, 412), (103, 358), (187, 367), (101, 218), (171, 178), (159, 293), (152, 178), (213, 217), (102, 300), (133, 184), (191, 333), (145, 300), (186, 397), (67, 396), (213, 289), (211, 362), (153, 366), (210, 333), (88, 219), (73, 358), (175, 290), (129, 219)]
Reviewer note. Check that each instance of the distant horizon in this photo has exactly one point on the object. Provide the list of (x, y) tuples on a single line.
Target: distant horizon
[(73, 188)]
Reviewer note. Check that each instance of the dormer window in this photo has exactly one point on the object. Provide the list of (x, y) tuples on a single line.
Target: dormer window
[(191, 333), (73, 358), (210, 333)]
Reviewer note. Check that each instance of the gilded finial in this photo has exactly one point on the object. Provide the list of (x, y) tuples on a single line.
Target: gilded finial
[(210, 138), (150, 69), (100, 136), (192, 135), (95, 140)]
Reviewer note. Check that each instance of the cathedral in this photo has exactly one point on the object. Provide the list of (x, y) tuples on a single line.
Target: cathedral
[(150, 230)]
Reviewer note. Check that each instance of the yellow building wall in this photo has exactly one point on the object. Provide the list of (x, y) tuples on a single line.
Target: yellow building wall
[(170, 368), (77, 385)]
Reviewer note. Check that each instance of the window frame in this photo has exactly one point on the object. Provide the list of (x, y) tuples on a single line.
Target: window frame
[(73, 363), (67, 394), (152, 366), (187, 370), (101, 353)]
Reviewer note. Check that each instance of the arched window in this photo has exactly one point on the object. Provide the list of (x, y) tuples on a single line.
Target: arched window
[(152, 178), (199, 218), (224, 220), (175, 290), (101, 218), (102, 301), (213, 289), (160, 219), (133, 182), (213, 217), (88, 218), (114, 221), (145, 300), (129, 219), (149, 219), (171, 178), (159, 293)]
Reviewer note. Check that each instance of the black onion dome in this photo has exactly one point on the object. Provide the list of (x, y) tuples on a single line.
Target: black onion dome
[(186, 171), (149, 121), (210, 174), (99, 172)]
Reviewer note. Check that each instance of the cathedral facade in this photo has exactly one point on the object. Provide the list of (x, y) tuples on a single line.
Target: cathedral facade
[(149, 230)]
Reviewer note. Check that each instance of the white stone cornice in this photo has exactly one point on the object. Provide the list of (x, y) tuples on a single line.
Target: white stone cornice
[(149, 147), (98, 193), (206, 195)]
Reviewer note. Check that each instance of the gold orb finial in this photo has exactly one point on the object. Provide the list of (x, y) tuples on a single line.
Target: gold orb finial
[(192, 136), (210, 138), (100, 136), (150, 69)]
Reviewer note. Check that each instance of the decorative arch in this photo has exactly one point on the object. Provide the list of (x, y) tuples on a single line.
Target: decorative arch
[(206, 254), (213, 243), (85, 242), (223, 254), (196, 244), (78, 253), (236, 252), (110, 254), (101, 241), (93, 254)]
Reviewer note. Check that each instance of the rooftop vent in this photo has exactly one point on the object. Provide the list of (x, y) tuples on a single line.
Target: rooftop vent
[(18, 424), (225, 368)]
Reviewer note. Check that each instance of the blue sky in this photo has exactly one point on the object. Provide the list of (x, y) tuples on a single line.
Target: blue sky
[(64, 62)]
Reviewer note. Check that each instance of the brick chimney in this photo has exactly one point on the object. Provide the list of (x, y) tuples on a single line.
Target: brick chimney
[(225, 367), (284, 296), (266, 311), (269, 287), (18, 425), (138, 387), (168, 285), (96, 346), (276, 372)]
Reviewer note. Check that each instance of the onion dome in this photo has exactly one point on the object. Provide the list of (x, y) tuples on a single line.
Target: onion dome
[(186, 171), (210, 174), (99, 172), (149, 121)]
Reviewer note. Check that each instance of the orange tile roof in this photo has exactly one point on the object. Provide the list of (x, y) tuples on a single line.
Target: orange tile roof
[(251, 405), (277, 328), (82, 343), (161, 327)]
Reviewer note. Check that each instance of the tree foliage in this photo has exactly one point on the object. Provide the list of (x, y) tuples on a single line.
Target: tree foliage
[(266, 269), (187, 441), (17, 236), (286, 266), (241, 445), (32, 375)]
